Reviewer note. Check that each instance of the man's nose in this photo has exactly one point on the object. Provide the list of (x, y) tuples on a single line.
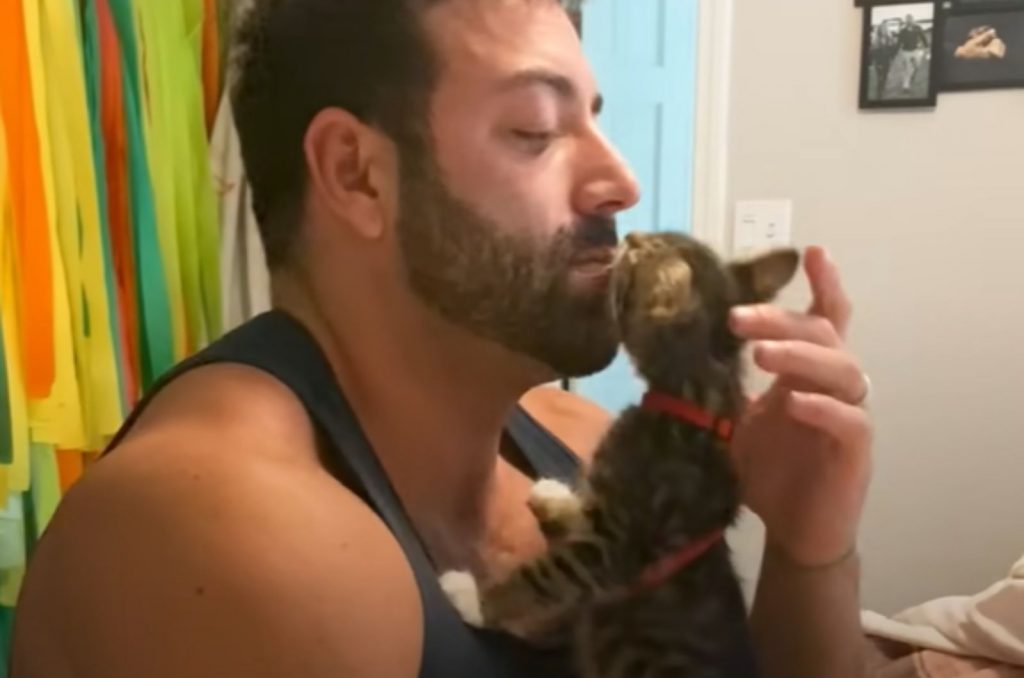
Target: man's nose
[(610, 185)]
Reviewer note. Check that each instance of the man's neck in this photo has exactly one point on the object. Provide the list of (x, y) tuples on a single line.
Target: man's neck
[(432, 399)]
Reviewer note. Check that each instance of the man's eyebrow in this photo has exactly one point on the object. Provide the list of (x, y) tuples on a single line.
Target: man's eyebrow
[(561, 85)]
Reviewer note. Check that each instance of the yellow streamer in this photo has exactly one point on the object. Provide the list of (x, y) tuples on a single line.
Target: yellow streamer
[(10, 586), (57, 419), (78, 221), (13, 478), (46, 493), (12, 534)]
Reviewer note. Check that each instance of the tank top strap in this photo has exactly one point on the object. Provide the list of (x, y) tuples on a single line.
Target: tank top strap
[(280, 346), (547, 455)]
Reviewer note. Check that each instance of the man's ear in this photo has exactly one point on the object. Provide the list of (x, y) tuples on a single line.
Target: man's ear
[(343, 155), (760, 279)]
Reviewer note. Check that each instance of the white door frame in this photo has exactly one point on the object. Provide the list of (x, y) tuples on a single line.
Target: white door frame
[(711, 150)]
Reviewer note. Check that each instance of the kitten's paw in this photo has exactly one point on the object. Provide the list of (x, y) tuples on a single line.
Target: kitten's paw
[(464, 595), (554, 503), (550, 489)]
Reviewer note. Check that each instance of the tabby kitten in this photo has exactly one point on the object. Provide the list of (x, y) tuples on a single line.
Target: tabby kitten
[(637, 571)]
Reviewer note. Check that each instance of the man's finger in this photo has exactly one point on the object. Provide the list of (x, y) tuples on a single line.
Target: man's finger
[(765, 322), (829, 297), (814, 367), (848, 425)]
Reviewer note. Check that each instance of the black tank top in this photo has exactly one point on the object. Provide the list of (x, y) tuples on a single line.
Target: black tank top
[(278, 345)]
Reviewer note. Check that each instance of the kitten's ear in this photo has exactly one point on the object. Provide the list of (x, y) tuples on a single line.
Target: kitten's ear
[(762, 277)]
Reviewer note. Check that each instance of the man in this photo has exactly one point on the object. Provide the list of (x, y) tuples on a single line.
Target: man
[(883, 51), (913, 41), (437, 205)]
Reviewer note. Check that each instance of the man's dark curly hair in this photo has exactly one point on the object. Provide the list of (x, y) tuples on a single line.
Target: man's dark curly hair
[(293, 58)]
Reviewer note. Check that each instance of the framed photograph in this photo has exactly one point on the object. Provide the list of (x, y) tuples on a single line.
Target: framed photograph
[(900, 51), (983, 50)]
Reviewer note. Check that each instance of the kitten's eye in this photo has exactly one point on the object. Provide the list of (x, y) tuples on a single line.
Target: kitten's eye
[(534, 141)]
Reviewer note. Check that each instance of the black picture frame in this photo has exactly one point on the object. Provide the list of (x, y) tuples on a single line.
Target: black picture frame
[(959, 7), (871, 59), (962, 76)]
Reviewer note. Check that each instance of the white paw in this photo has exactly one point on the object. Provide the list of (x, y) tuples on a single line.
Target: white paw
[(464, 595), (555, 502), (548, 490)]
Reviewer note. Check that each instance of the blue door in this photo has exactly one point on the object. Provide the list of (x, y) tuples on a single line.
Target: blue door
[(644, 55)]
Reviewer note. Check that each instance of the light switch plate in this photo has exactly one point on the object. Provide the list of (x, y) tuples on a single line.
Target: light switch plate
[(761, 225)]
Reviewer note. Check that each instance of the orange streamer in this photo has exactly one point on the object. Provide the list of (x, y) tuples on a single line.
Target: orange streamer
[(211, 63), (28, 203), (69, 468)]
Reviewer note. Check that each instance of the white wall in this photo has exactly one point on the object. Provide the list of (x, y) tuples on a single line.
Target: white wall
[(925, 213)]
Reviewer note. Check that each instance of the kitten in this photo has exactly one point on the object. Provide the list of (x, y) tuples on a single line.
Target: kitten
[(637, 571)]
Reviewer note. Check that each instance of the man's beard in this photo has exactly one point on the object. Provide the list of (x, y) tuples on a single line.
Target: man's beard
[(505, 286)]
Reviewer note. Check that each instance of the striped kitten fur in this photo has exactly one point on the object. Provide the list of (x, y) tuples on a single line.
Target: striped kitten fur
[(656, 484)]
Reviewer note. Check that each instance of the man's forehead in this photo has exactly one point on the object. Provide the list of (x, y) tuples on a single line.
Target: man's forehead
[(498, 39)]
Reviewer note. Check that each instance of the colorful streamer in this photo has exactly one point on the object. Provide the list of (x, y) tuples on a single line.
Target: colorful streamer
[(26, 200), (57, 418), (109, 233)]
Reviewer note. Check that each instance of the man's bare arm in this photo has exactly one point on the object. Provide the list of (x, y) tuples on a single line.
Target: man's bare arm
[(203, 562)]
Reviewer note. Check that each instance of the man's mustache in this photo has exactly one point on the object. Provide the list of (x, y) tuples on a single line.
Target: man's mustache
[(594, 233)]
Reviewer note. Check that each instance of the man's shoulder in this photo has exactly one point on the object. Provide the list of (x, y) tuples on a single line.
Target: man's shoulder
[(224, 441), (576, 421), (205, 515), (230, 404)]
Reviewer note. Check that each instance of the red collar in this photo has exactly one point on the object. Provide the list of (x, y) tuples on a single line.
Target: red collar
[(661, 571), (688, 412)]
